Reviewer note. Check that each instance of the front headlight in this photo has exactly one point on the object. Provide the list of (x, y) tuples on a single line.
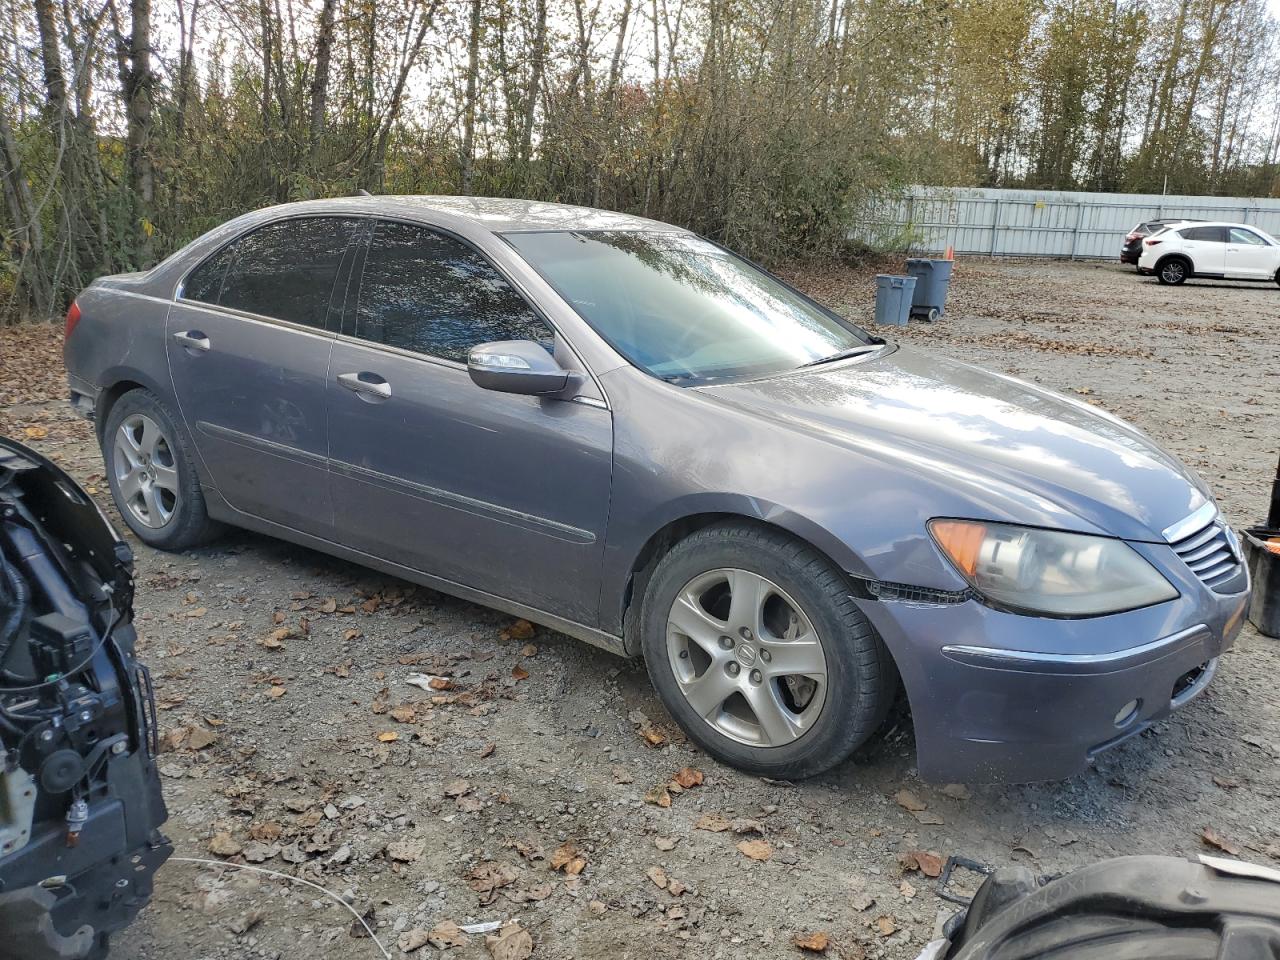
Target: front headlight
[(1048, 571)]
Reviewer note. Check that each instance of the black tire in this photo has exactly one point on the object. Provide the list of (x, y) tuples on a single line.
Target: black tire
[(861, 677), (1277, 278), (1173, 271), (189, 524)]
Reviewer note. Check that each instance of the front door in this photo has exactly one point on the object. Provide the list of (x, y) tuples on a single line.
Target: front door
[(1249, 256), (248, 342), (502, 493)]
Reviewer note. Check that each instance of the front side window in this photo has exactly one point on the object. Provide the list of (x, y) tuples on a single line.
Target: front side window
[(284, 270), (1239, 235), (433, 294), (684, 309)]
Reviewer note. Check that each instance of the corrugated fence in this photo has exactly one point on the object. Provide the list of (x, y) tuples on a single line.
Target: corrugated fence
[(1038, 223)]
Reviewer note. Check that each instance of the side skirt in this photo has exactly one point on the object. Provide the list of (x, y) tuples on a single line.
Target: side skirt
[(219, 509)]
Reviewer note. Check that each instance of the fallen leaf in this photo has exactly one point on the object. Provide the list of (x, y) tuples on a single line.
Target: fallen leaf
[(957, 791), (812, 942), (388, 736), (486, 879), (487, 750), (406, 851), (909, 801), (469, 804), (456, 788), (928, 817), (266, 831), (405, 713), (676, 888), (713, 822), (659, 796), (926, 861), (528, 650), (622, 776), (756, 849), (328, 606), (743, 825), (906, 889), (351, 634), (201, 738), (510, 942), (224, 845), (1214, 839), (36, 433), (519, 672), (658, 876), (567, 859), (276, 693), (885, 925), (665, 844), (519, 630), (688, 777), (446, 934)]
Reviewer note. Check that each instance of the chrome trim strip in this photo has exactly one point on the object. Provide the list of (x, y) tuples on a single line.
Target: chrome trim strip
[(296, 454), (1202, 517), (1076, 659), (457, 501)]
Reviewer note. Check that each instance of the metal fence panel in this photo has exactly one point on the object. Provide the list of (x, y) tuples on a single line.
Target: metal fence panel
[(1037, 223)]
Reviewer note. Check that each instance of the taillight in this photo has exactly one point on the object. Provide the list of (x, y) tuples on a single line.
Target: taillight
[(1133, 236), (73, 317), (1151, 243)]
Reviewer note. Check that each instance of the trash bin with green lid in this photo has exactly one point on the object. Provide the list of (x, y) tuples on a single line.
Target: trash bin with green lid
[(933, 277), (893, 299)]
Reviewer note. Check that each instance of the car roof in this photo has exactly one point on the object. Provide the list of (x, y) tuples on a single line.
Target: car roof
[(491, 214), (1223, 223)]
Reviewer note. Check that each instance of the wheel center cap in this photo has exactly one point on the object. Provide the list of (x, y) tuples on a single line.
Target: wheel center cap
[(746, 654)]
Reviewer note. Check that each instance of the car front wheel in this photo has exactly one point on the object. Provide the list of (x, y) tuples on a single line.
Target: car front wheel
[(761, 655), (152, 479)]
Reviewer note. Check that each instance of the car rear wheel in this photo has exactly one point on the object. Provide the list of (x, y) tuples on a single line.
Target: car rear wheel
[(152, 478), (1173, 271), (761, 655)]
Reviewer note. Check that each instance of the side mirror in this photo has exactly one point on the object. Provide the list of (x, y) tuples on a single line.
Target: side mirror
[(517, 366)]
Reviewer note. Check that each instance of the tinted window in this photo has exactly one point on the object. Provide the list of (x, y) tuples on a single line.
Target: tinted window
[(284, 270), (204, 283), (427, 292), (1208, 234), (1246, 236)]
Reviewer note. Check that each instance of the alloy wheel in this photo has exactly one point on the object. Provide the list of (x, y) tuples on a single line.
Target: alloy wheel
[(1173, 272), (746, 657), (146, 471)]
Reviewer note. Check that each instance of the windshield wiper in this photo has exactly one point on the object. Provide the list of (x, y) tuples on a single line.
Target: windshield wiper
[(845, 354)]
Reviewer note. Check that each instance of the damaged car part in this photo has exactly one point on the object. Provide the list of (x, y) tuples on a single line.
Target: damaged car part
[(80, 803)]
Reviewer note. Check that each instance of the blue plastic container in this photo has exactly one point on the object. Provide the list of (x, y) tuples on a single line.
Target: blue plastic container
[(893, 299), (933, 278)]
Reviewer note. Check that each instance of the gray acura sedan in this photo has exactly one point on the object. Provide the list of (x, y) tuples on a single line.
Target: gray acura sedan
[(627, 433)]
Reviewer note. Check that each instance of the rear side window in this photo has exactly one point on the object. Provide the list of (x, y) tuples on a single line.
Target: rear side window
[(285, 270), (1206, 234), (430, 293)]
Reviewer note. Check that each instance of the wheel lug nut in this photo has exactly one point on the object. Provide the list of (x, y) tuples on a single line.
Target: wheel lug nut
[(745, 633), (684, 654), (756, 676), (733, 668), (766, 656), (726, 643)]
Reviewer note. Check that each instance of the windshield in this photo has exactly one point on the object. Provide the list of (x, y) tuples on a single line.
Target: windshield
[(684, 309)]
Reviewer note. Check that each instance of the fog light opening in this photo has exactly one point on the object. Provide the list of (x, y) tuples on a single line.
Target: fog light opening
[(1127, 714)]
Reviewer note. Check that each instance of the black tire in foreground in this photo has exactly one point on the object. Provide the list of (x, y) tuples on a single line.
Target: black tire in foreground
[(151, 474), (759, 652), (1173, 271)]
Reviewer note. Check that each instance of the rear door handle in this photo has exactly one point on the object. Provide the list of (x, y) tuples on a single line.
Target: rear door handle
[(367, 386), (192, 339)]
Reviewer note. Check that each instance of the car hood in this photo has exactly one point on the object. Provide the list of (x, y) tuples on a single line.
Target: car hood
[(974, 428)]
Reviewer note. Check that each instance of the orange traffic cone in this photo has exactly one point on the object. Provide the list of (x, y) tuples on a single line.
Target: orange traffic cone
[(950, 254)]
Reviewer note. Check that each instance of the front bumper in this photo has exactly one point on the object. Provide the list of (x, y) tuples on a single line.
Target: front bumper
[(999, 696)]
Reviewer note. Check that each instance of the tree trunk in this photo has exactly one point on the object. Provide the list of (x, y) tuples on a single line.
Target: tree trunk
[(320, 82), (469, 108), (138, 112)]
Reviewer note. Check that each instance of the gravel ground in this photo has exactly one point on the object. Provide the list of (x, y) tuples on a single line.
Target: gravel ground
[(526, 788)]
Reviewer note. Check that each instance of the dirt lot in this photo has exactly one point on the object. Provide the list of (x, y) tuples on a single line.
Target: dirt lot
[(298, 745)]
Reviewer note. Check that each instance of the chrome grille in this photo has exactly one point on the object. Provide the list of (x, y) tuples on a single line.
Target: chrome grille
[(1206, 545)]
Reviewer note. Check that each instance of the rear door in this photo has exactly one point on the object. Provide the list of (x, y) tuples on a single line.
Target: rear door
[(502, 493), (248, 341), (1249, 256), (1207, 247)]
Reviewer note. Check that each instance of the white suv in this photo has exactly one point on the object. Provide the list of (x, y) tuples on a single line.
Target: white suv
[(1224, 251)]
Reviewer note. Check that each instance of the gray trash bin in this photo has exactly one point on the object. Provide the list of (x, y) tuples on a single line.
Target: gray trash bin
[(933, 277), (893, 299)]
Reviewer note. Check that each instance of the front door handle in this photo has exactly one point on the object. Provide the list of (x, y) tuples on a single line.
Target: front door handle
[(367, 386), (192, 340)]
